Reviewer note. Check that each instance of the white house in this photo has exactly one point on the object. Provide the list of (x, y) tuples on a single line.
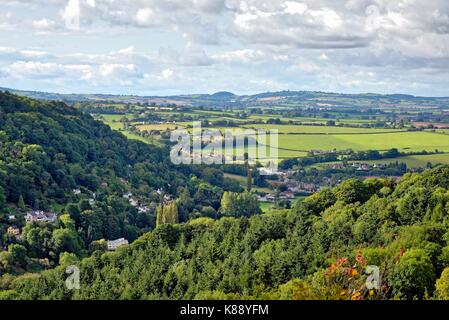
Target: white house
[(133, 202), (41, 216), (114, 244)]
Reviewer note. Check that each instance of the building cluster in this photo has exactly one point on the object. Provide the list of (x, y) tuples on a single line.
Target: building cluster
[(285, 195), (141, 208), (358, 166), (293, 186), (31, 216), (41, 216)]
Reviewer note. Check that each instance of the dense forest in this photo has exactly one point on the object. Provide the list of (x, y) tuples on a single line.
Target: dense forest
[(318, 250), (98, 184)]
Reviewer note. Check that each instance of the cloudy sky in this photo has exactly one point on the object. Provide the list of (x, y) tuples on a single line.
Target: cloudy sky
[(162, 47)]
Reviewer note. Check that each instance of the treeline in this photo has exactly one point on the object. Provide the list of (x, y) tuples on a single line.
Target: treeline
[(319, 250), (348, 155)]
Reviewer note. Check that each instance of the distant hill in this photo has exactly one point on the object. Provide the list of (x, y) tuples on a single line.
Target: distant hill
[(266, 99), (223, 95)]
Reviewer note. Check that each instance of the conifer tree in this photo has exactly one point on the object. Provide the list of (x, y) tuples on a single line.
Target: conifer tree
[(21, 203)]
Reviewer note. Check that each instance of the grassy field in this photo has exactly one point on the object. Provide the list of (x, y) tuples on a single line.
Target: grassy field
[(159, 126), (298, 140), (343, 138), (112, 120), (242, 181), (318, 129), (403, 141), (418, 161)]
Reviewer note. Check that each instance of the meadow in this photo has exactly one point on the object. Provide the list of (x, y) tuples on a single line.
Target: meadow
[(418, 161), (113, 121), (318, 129), (297, 140), (403, 141), (160, 126)]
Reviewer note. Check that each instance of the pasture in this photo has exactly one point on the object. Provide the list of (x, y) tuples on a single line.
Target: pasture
[(297, 140)]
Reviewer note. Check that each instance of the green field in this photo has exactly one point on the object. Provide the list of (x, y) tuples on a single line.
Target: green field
[(304, 129), (159, 126), (403, 141), (268, 206), (328, 138), (416, 161), (113, 121), (242, 181), (297, 140), (419, 161)]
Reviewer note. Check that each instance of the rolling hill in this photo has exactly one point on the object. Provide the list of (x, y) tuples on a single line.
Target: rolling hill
[(267, 99)]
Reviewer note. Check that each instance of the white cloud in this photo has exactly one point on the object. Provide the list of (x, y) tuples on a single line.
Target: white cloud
[(166, 74), (292, 7), (145, 17), (43, 24), (328, 17), (242, 56), (108, 70), (323, 56), (35, 70), (12, 54)]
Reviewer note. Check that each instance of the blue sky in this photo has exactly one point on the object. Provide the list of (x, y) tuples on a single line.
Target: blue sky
[(154, 47)]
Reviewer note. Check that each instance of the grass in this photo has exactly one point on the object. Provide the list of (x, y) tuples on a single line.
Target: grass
[(330, 138), (403, 141), (318, 129), (242, 181), (419, 161), (297, 140), (112, 120), (159, 126)]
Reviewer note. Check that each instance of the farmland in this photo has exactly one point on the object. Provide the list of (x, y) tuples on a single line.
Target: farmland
[(300, 132), (419, 161), (403, 141), (159, 127), (319, 129), (298, 140)]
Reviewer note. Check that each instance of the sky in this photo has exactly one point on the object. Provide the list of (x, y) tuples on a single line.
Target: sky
[(167, 47)]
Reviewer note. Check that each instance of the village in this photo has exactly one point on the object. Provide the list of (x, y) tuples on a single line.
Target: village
[(290, 184), (29, 215)]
